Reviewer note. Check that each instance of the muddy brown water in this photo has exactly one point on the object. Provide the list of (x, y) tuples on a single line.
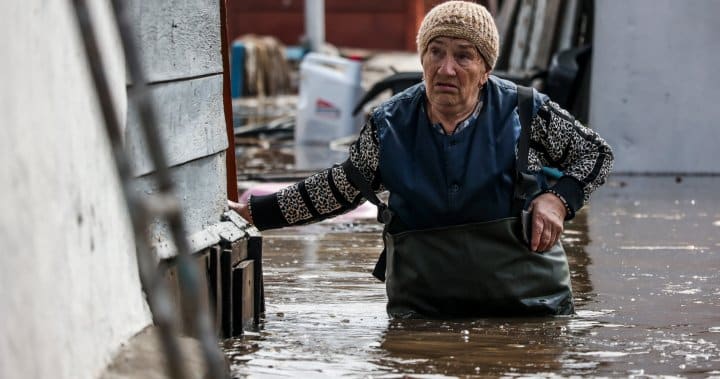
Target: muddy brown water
[(645, 260)]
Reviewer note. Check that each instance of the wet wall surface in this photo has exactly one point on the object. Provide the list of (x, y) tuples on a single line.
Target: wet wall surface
[(645, 260)]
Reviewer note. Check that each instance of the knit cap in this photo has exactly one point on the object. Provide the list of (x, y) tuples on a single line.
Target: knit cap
[(461, 19)]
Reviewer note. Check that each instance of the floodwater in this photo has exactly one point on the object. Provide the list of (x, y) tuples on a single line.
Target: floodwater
[(645, 263), (645, 260)]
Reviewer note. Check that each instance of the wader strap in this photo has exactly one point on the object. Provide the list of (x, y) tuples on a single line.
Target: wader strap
[(525, 184)]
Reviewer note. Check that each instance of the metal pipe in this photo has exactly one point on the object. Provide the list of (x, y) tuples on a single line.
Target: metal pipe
[(315, 23)]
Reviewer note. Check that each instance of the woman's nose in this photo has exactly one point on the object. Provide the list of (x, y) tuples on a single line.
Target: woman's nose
[(447, 66)]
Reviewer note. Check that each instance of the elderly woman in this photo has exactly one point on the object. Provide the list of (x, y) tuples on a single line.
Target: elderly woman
[(471, 227)]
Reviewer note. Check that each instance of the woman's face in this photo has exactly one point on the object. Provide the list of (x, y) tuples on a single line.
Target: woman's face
[(454, 71)]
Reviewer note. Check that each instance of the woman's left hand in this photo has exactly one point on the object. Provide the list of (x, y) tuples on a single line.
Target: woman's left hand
[(547, 221)]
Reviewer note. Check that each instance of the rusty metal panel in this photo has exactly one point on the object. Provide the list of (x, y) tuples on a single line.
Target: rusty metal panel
[(178, 38), (191, 121)]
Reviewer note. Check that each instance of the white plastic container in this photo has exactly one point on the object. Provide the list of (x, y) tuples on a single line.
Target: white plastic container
[(329, 90)]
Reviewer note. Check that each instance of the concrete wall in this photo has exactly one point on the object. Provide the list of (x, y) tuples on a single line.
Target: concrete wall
[(654, 84), (69, 288)]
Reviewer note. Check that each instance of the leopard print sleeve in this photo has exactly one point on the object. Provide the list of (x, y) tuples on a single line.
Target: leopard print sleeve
[(323, 195), (558, 140)]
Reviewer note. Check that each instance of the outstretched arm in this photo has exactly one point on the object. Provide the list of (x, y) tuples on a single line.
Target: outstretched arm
[(323, 195)]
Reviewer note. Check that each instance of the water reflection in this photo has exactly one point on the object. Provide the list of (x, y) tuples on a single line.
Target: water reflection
[(484, 347)]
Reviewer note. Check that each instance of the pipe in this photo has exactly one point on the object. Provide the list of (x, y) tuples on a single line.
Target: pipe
[(315, 23)]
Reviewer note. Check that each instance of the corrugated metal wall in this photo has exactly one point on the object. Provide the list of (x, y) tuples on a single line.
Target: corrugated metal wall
[(373, 24)]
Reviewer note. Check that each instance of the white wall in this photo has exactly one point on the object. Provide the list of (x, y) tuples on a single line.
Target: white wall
[(654, 84), (69, 289)]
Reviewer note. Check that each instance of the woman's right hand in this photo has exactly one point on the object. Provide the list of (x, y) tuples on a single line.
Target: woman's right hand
[(241, 209)]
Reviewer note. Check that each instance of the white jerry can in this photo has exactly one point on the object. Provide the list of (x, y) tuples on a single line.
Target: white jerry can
[(329, 90)]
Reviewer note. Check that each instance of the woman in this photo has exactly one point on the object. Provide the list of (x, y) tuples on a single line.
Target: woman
[(451, 153)]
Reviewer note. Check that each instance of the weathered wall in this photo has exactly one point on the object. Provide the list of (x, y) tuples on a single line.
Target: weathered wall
[(69, 289), (179, 42), (654, 84)]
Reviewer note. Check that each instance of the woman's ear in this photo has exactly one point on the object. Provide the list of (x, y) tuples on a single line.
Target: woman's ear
[(484, 79)]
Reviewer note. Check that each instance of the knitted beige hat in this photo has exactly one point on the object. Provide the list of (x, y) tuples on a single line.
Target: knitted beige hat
[(461, 19)]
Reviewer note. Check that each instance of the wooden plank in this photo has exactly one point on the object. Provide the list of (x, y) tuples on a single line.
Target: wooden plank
[(239, 251), (542, 37), (200, 185), (521, 38), (243, 311), (187, 312), (505, 22), (169, 274), (254, 246), (177, 38), (254, 252), (191, 122), (214, 284), (226, 291), (569, 26)]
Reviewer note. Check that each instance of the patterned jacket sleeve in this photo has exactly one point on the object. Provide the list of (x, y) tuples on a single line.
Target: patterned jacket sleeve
[(558, 140), (325, 194)]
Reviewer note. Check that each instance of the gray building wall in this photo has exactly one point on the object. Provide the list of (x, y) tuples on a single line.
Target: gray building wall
[(654, 82), (69, 288), (70, 294)]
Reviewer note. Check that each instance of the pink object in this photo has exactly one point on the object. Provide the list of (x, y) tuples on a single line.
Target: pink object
[(364, 211)]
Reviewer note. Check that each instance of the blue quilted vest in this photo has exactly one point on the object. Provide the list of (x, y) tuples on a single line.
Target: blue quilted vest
[(439, 180)]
